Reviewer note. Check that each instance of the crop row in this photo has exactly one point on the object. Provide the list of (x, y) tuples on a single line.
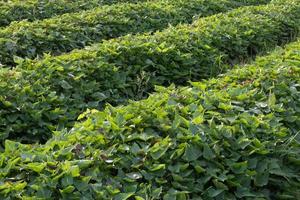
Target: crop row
[(76, 30), (49, 94), (232, 137), (31, 10)]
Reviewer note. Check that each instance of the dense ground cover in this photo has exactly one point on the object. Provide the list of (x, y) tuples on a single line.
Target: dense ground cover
[(39, 96), (31, 10), (208, 136), (76, 30), (231, 137)]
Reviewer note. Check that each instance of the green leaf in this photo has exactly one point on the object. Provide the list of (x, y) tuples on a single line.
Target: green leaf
[(177, 121), (123, 196), (75, 171), (214, 192), (67, 190), (11, 146), (208, 153), (64, 84), (138, 198), (192, 152), (157, 167), (244, 192), (19, 186), (198, 120), (160, 148), (261, 179), (67, 180), (37, 167), (134, 175), (272, 100), (199, 169), (239, 167), (156, 193)]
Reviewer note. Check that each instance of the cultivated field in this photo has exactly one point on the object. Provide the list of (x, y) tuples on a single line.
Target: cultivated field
[(150, 99)]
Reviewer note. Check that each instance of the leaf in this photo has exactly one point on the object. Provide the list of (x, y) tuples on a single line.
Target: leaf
[(11, 146), (37, 167), (225, 107), (177, 121), (134, 175), (192, 152), (244, 192), (208, 153), (64, 84), (272, 100), (67, 190), (67, 180), (175, 194), (261, 179), (214, 192), (239, 167), (83, 164), (199, 169), (262, 104), (123, 196), (130, 187), (156, 193), (138, 198), (19, 186), (160, 148), (18, 59), (73, 170), (198, 120), (157, 167)]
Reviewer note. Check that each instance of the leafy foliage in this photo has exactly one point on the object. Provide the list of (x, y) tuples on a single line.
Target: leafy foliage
[(39, 96), (16, 10), (76, 30), (231, 137)]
